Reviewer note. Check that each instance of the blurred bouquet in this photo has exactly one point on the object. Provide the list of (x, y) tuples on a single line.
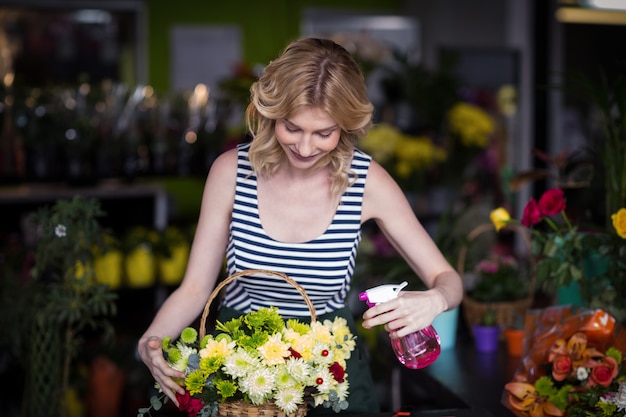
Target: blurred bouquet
[(259, 358), (407, 158), (573, 366)]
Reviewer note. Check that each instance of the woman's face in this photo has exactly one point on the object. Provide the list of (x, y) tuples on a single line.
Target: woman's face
[(307, 135)]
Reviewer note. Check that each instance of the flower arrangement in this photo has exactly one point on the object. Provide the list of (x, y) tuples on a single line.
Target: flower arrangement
[(498, 280), (259, 358), (565, 255), (575, 367)]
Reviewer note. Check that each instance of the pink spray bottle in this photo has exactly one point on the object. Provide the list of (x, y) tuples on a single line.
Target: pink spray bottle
[(415, 350)]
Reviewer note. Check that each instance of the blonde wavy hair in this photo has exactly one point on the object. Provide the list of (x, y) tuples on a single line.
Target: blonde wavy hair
[(316, 73)]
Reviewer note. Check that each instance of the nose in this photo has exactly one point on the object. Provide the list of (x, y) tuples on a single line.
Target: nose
[(305, 147)]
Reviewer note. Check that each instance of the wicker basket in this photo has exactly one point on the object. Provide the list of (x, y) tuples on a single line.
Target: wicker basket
[(505, 311), (242, 408)]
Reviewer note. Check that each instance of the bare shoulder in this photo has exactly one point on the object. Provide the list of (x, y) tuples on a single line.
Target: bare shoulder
[(382, 196), (222, 177), (224, 168)]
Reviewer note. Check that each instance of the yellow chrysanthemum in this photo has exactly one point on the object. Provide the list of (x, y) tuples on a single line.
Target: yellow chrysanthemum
[(221, 348), (274, 351), (320, 333), (304, 346), (380, 142), (471, 124)]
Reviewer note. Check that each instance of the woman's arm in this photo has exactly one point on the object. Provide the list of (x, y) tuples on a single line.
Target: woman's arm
[(385, 202), (206, 258)]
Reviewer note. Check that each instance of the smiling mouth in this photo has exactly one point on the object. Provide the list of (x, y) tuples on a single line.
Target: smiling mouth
[(302, 158)]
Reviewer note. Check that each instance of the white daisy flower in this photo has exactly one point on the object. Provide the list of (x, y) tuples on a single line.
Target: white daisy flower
[(342, 389), (283, 378), (582, 373), (323, 379), (258, 384), (620, 399), (185, 353), (240, 363), (288, 399), (298, 369), (323, 354), (60, 230)]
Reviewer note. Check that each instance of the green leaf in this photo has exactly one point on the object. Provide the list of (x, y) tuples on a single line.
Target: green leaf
[(156, 403)]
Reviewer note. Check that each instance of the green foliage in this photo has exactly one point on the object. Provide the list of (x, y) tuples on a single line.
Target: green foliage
[(156, 403), (489, 318), (253, 329), (66, 235), (558, 396), (67, 299)]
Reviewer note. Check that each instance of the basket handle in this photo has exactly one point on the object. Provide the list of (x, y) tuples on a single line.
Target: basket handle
[(236, 275), (486, 227)]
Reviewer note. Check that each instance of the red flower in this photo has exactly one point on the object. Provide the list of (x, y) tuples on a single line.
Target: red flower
[(337, 371), (189, 404), (561, 367), (603, 373), (552, 202), (532, 215)]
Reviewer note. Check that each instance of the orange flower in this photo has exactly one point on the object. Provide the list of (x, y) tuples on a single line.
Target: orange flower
[(524, 397)]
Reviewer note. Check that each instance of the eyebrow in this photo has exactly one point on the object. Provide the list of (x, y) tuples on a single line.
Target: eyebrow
[(325, 129)]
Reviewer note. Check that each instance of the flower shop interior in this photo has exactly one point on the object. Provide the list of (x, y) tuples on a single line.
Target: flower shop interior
[(503, 122)]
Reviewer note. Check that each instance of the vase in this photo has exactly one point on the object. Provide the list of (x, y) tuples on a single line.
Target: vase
[(486, 338)]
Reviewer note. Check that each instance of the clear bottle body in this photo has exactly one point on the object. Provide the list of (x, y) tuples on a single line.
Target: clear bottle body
[(419, 349)]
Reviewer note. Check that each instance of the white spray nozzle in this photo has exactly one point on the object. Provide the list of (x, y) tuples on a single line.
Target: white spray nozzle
[(381, 293)]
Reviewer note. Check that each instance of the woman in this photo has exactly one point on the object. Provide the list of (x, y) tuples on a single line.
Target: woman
[(293, 201)]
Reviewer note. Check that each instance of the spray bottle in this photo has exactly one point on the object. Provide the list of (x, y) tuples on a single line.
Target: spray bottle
[(416, 350)]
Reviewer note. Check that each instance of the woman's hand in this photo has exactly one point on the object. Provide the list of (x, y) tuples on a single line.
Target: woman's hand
[(410, 312), (149, 350)]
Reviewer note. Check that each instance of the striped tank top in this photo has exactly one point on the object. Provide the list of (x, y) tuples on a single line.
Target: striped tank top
[(322, 266)]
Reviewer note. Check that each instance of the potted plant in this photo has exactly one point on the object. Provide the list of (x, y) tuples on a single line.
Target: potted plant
[(515, 336), (486, 333), (564, 254), (69, 302), (499, 282)]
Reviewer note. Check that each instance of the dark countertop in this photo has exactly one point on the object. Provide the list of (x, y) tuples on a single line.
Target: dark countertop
[(470, 383)]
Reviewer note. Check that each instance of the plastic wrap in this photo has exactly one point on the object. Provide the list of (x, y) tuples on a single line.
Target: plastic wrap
[(545, 326)]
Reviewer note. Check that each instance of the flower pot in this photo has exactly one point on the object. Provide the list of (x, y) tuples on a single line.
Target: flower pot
[(446, 326), (514, 341), (486, 338)]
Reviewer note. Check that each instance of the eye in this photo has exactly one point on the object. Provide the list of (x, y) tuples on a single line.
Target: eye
[(324, 135)]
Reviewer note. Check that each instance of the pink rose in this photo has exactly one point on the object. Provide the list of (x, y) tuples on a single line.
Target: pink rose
[(189, 404), (603, 373), (532, 215), (561, 367), (552, 202)]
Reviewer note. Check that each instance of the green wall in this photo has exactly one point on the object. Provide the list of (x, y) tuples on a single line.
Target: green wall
[(266, 25)]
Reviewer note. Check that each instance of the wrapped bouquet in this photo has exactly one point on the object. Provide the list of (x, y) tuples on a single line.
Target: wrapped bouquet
[(573, 366)]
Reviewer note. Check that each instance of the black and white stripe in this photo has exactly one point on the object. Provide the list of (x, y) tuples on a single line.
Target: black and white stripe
[(322, 266)]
